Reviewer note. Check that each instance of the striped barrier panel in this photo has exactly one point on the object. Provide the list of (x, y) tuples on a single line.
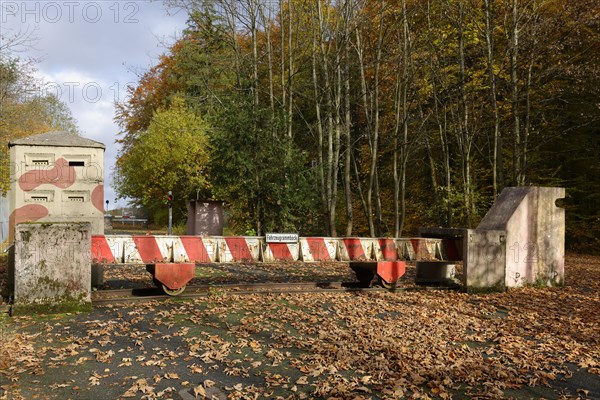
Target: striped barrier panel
[(318, 249), (195, 249), (386, 249), (107, 249), (231, 249), (148, 249), (417, 249), (280, 251), (356, 249), (132, 249), (239, 249), (116, 249)]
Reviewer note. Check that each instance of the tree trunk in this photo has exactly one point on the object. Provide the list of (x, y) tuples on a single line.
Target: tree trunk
[(332, 132), (464, 135), (266, 22), (497, 164), (375, 133), (282, 67), (441, 119), (290, 113), (254, 31), (396, 156), (514, 79), (319, 124), (347, 119), (404, 152)]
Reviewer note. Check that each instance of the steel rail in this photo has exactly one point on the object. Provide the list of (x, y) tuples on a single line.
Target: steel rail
[(120, 296)]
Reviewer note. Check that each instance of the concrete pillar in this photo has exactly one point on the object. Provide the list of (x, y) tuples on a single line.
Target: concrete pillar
[(52, 267)]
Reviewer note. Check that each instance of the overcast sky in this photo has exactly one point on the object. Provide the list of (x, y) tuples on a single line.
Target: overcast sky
[(89, 51)]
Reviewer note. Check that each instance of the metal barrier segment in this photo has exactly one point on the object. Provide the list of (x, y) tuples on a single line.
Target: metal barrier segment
[(148, 249)]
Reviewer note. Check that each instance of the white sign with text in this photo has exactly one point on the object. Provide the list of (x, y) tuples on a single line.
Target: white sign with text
[(282, 237)]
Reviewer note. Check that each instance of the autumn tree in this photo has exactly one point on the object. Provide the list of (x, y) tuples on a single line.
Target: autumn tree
[(419, 112), (25, 109), (172, 154)]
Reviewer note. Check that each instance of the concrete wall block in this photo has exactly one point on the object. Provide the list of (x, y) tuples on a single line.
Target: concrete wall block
[(435, 273), (52, 264), (485, 260)]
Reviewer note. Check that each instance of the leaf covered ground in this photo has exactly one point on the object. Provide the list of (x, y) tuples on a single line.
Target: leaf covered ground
[(525, 343)]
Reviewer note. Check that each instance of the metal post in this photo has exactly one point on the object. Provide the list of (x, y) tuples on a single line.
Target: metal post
[(170, 212)]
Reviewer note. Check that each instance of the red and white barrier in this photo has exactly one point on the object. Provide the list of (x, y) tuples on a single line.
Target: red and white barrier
[(417, 249), (147, 249), (386, 249), (107, 250), (356, 249), (318, 249), (195, 249), (231, 249), (280, 251), (239, 249)]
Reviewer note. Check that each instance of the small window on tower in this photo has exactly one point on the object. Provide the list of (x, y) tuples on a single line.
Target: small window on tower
[(76, 199), (39, 162), (39, 199), (76, 163)]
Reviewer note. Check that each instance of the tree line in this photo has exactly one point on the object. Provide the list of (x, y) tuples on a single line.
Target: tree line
[(368, 117)]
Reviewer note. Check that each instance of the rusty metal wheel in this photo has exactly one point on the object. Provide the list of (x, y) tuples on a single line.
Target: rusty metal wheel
[(173, 292), (387, 285)]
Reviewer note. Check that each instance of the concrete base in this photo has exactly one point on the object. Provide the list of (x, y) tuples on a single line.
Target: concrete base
[(435, 273), (52, 267)]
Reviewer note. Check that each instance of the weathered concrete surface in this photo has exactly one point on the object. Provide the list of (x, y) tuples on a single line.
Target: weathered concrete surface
[(435, 272), (484, 264), (56, 177), (52, 266), (483, 254), (535, 234)]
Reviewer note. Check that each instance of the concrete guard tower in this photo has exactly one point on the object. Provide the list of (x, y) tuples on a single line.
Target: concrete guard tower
[(56, 176), (56, 204)]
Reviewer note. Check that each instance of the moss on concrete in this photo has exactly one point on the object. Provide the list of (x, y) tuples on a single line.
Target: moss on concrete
[(485, 290), (51, 308)]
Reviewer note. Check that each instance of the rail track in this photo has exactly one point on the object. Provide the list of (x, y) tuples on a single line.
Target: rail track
[(120, 296)]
